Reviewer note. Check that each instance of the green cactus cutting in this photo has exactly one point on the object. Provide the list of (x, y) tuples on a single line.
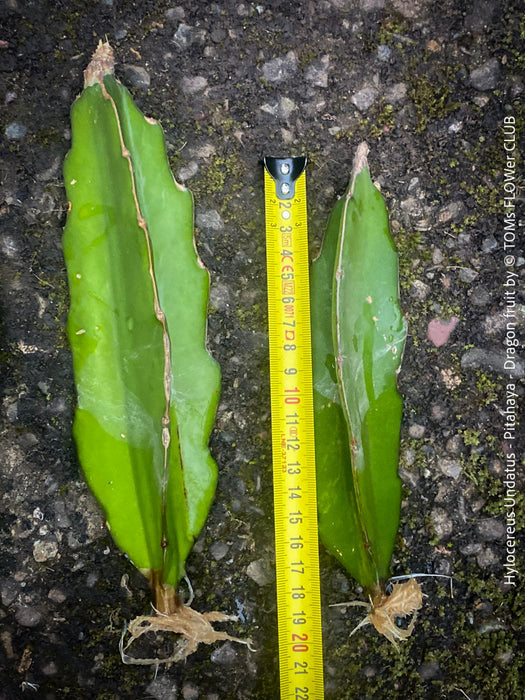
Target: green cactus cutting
[(358, 336), (147, 387)]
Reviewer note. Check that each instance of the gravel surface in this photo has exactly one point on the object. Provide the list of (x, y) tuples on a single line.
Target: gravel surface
[(435, 89)]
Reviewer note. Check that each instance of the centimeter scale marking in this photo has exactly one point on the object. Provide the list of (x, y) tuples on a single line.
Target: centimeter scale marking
[(295, 497)]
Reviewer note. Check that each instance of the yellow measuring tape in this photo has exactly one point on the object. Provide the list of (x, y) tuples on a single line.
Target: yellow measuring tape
[(295, 498)]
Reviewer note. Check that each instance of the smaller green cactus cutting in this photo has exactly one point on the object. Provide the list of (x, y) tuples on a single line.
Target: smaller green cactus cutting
[(358, 336), (147, 387)]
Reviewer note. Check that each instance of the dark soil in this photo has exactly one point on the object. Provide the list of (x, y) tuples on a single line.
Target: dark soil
[(429, 86)]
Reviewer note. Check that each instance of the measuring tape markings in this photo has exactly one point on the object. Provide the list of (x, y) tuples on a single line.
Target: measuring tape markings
[(295, 502)]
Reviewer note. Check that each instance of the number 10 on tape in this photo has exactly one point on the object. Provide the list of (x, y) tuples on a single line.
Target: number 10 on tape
[(295, 499)]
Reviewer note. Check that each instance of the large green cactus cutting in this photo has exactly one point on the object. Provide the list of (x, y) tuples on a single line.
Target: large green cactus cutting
[(147, 387), (358, 335)]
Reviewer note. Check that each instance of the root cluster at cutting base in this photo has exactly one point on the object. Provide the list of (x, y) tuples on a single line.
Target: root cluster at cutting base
[(171, 615), (404, 600), (192, 627)]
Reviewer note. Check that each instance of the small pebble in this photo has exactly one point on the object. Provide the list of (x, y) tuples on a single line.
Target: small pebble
[(454, 211), (270, 108), (190, 692), (454, 445), (438, 331), (209, 220), (44, 387), (317, 72), (56, 595), (492, 624), (487, 76), (365, 98), (281, 68), (175, 14), (491, 529), (50, 669), (286, 107), (467, 274), (487, 558), (219, 550), (437, 256), (442, 523), (408, 477), (43, 551), (224, 655), (204, 152), (15, 131), (339, 583), (479, 296), (413, 185), (28, 617), (409, 456), (220, 297), (419, 290), (489, 244), (491, 360), (383, 53), (411, 9), (471, 548), (439, 412), (371, 5), (9, 247), (8, 593), (136, 76), (455, 127), (416, 431), (494, 323), (183, 37), (395, 94), (443, 567), (451, 468), (162, 688), (61, 517), (261, 572), (217, 35), (505, 657), (12, 411), (188, 171), (92, 579), (480, 16), (191, 86), (236, 505), (430, 670), (433, 45)]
